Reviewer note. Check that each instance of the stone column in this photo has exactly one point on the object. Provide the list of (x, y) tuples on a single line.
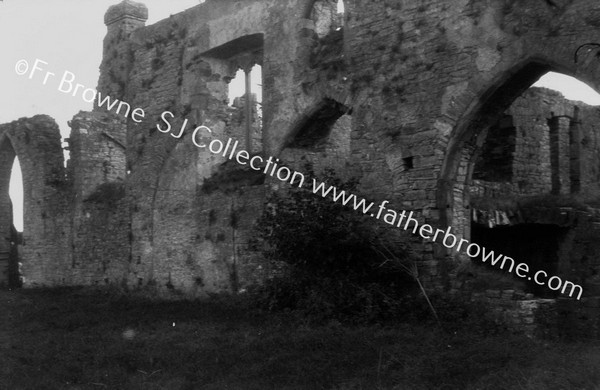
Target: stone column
[(575, 149), (560, 154)]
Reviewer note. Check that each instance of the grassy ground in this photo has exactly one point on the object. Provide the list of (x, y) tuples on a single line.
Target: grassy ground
[(72, 339)]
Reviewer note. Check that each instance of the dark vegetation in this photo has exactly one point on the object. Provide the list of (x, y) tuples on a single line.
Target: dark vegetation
[(331, 262), (328, 259), (79, 339)]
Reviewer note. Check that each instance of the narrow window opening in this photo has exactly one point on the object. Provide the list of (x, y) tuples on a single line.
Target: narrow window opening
[(11, 221), (240, 62), (247, 86), (16, 194)]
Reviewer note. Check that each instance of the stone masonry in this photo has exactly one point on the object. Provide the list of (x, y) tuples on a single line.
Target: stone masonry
[(424, 101)]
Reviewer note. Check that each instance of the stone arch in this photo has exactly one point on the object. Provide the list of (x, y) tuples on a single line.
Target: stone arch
[(476, 106), (518, 65), (320, 136), (481, 107), (306, 106), (326, 108), (46, 198)]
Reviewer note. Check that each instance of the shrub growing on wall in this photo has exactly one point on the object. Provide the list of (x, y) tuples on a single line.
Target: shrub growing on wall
[(325, 257)]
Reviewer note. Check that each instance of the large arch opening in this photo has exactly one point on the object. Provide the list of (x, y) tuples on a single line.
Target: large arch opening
[(527, 157), (11, 216)]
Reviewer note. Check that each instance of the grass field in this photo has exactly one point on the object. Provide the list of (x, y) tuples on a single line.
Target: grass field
[(76, 339)]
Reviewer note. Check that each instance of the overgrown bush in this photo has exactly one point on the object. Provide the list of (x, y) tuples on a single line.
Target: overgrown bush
[(330, 262), (316, 235), (326, 258)]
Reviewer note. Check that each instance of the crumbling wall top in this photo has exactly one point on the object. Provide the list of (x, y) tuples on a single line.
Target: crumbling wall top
[(126, 9)]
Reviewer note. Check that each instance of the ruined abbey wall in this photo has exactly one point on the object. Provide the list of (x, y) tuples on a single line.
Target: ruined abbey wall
[(36, 142), (544, 144), (403, 97)]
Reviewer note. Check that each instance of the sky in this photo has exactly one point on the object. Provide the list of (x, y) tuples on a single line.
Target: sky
[(68, 35), (570, 87)]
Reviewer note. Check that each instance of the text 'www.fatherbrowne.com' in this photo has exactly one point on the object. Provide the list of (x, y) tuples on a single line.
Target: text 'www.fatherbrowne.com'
[(409, 223)]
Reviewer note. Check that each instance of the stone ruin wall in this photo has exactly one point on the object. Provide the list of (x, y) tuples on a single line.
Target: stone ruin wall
[(544, 144), (544, 147), (100, 221), (36, 142), (142, 209)]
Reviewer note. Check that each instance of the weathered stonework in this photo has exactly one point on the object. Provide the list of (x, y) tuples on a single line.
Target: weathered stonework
[(45, 252), (403, 96)]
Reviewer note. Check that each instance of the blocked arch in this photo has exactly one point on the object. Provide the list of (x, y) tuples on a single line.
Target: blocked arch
[(325, 112), (321, 137)]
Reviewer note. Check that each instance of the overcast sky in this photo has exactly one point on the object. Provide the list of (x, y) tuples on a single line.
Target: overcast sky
[(68, 34)]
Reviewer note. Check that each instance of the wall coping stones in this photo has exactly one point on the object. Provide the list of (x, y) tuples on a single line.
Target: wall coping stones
[(127, 9)]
